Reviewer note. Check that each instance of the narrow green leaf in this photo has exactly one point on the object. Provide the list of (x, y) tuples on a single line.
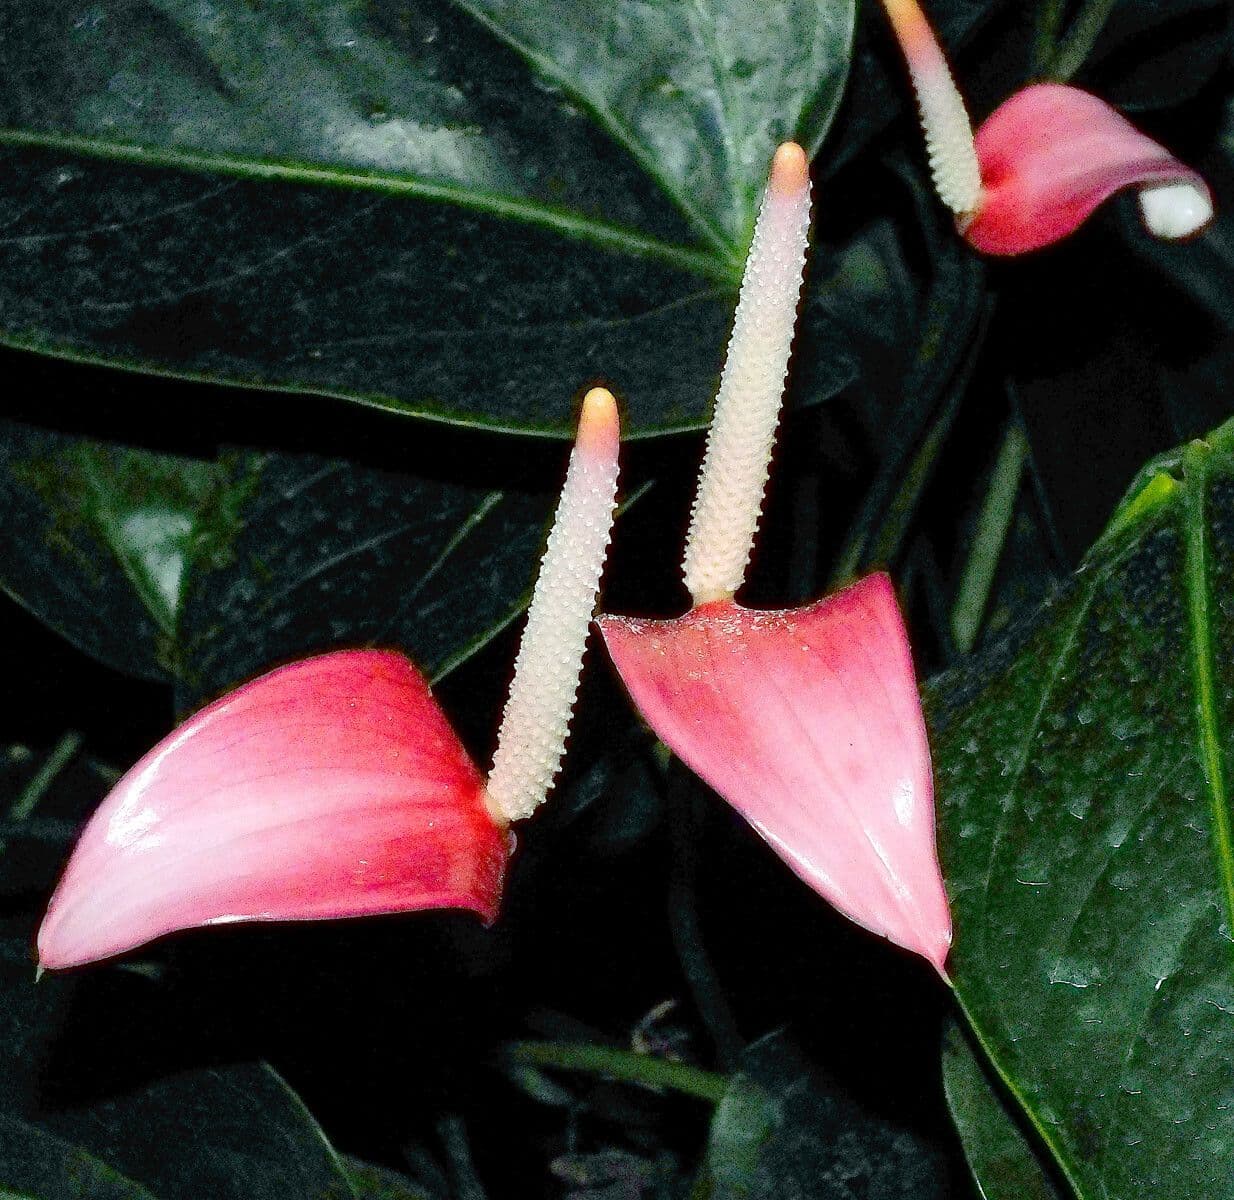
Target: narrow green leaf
[(989, 537), (1003, 1163)]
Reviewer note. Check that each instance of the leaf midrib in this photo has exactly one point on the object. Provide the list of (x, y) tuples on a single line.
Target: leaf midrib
[(604, 234), (724, 250)]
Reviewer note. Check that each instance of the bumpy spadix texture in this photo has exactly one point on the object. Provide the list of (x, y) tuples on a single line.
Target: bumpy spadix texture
[(335, 787), (747, 408), (546, 673), (808, 722), (1043, 161), (332, 787), (944, 117)]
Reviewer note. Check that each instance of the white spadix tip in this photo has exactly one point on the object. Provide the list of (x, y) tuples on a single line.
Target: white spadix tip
[(747, 408), (532, 737), (948, 131), (1175, 210)]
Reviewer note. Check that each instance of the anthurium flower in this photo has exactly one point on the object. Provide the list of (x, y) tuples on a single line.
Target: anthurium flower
[(335, 786), (807, 720), (1042, 161)]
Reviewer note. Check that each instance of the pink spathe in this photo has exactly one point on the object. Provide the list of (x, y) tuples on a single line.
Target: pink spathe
[(333, 787), (808, 722), (1050, 155)]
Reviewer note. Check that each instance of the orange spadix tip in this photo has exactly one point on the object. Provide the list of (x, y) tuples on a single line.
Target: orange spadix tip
[(598, 425), (790, 169), (916, 38)]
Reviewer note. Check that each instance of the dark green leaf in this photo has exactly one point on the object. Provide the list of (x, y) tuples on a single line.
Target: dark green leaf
[(699, 93), (400, 303), (403, 303), (36, 1165), (332, 554), (1085, 835), (1003, 1162), (405, 96), (237, 1133), (371, 1182), (254, 559), (96, 540), (784, 1133)]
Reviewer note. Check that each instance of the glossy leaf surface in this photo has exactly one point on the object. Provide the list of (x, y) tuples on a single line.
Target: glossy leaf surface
[(98, 538), (701, 94), (329, 553), (1085, 836), (206, 572), (564, 258), (807, 721), (332, 787)]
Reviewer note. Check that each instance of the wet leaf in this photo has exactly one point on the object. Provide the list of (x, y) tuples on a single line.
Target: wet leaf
[(1082, 771)]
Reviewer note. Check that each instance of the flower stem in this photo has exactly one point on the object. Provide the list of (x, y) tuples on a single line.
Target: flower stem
[(623, 1065), (1045, 40), (685, 927), (989, 538), (1080, 39)]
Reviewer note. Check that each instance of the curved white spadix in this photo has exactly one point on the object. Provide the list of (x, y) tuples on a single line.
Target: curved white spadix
[(532, 737), (944, 118), (1175, 210), (734, 473)]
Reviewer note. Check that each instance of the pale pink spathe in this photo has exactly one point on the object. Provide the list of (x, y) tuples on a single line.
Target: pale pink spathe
[(1049, 156), (332, 787), (809, 723)]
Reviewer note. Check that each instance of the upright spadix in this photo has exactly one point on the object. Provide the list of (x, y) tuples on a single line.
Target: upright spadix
[(335, 786), (1043, 161), (806, 720), (747, 408), (944, 117), (532, 737)]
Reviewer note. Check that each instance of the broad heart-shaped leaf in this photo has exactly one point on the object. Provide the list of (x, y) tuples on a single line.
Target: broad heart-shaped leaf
[(96, 539), (279, 280), (1004, 1164), (1085, 833)]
